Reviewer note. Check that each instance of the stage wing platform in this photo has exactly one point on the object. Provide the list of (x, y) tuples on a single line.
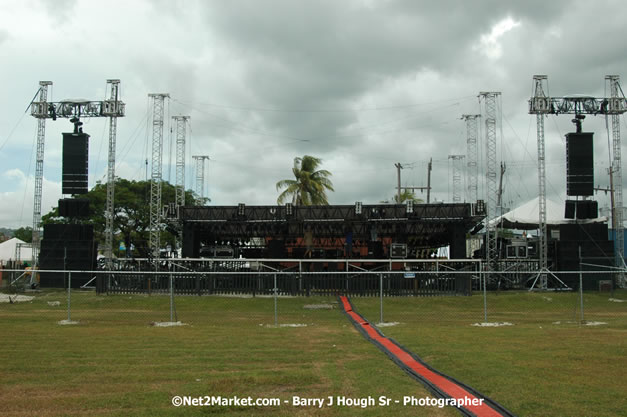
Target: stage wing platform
[(352, 231)]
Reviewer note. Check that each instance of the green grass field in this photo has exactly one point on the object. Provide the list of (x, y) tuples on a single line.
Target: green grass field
[(115, 363)]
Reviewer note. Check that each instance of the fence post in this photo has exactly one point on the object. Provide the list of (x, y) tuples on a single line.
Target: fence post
[(581, 286), (69, 296), (485, 295), (381, 298), (171, 299), (276, 318)]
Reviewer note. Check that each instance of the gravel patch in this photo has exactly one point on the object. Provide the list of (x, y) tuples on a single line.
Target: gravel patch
[(318, 306), (66, 322), (388, 324), (6, 298), (167, 323), (492, 324)]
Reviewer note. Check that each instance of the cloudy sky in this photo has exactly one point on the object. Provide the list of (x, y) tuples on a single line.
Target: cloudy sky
[(362, 84)]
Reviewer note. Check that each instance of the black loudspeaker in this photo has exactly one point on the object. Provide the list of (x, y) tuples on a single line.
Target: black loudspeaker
[(74, 207), (276, 249), (75, 163), (375, 249), (588, 209), (69, 247), (579, 164), (569, 212)]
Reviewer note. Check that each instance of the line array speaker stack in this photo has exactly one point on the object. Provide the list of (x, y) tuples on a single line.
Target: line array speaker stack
[(74, 207), (579, 164), (75, 163), (597, 252), (67, 247), (581, 209)]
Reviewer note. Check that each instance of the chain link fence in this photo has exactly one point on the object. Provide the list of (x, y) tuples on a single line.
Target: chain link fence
[(388, 291)]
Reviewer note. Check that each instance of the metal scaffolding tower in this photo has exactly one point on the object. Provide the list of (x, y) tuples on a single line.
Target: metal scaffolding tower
[(200, 174), (490, 106), (541, 104), (472, 134), (456, 165), (111, 108), (181, 130), (42, 110), (39, 110), (158, 100), (614, 109)]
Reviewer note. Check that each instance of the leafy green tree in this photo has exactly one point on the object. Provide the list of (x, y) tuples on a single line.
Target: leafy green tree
[(131, 213), (24, 233), (310, 184)]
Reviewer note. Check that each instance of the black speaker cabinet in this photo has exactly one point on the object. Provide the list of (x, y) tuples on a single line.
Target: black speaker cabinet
[(579, 164), (75, 163)]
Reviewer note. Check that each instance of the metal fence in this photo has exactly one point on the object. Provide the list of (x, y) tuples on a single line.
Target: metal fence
[(383, 282)]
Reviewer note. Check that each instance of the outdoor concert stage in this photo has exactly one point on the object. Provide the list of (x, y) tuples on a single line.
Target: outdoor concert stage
[(330, 232)]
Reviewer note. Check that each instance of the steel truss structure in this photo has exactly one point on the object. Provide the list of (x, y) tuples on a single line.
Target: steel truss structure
[(42, 110), (200, 174), (472, 135), (181, 130), (490, 110), (457, 161), (423, 226), (542, 104), (158, 101)]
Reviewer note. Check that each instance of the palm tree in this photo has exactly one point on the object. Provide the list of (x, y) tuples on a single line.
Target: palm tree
[(310, 184), (405, 195)]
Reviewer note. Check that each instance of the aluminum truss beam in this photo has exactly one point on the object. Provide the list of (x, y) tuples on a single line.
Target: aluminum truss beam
[(542, 104), (200, 174), (457, 161), (39, 110), (617, 176), (158, 106), (472, 134), (111, 108), (42, 110), (490, 108)]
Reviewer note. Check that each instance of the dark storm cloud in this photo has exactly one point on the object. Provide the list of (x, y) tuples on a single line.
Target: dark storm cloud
[(327, 55), (361, 84)]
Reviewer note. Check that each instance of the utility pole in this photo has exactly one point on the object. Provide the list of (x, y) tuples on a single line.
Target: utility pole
[(399, 188), (499, 200), (398, 182), (429, 167), (158, 101)]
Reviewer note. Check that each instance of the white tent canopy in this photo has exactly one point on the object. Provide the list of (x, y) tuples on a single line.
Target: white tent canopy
[(7, 250), (526, 216)]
